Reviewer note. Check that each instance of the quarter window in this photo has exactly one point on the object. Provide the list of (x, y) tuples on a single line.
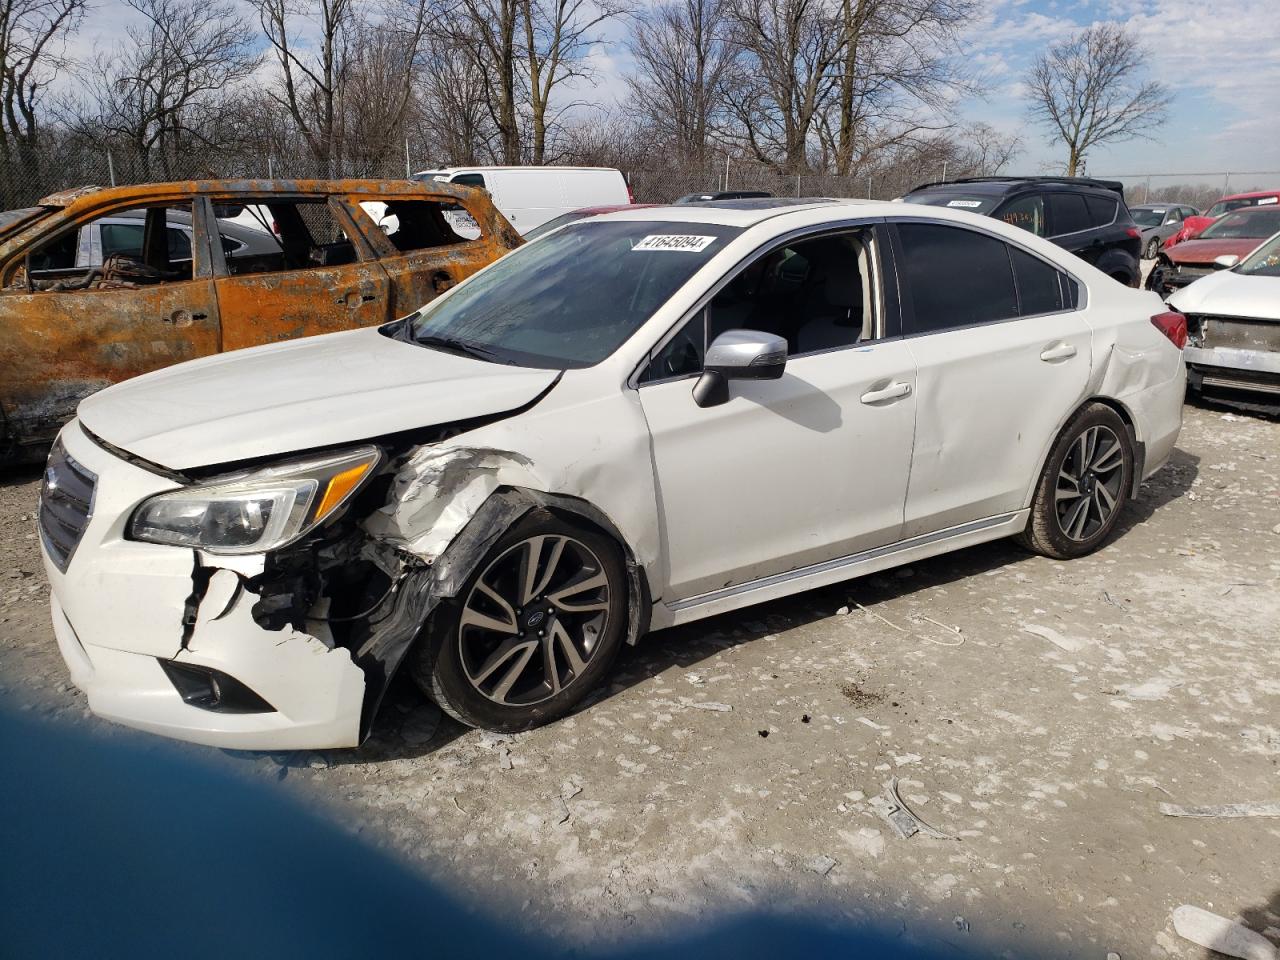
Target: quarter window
[(955, 277), (1068, 212), (1039, 285)]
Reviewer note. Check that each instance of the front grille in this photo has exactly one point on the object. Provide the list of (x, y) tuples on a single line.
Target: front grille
[(66, 504), (1186, 273)]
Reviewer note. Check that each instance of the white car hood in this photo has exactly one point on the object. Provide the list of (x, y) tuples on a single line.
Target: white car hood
[(298, 395), (1230, 294)]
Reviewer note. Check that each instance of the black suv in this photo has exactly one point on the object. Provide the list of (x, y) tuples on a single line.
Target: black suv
[(1086, 216)]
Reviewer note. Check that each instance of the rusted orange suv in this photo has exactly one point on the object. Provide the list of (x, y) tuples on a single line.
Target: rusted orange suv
[(101, 284)]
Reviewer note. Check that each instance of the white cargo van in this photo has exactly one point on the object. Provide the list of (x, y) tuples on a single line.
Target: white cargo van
[(530, 196)]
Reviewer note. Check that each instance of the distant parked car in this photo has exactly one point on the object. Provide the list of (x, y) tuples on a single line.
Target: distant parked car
[(1192, 227), (1086, 216), (530, 196), (724, 195), (99, 285), (1236, 235), (1158, 222), (582, 214), (1233, 325)]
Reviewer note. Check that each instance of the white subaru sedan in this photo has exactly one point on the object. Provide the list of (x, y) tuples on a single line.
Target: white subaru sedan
[(636, 421)]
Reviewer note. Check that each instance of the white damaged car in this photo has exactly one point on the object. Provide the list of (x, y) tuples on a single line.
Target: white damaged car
[(640, 420), (1233, 329)]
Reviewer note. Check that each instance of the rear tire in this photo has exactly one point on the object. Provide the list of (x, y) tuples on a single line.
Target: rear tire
[(1152, 249), (1084, 486), (534, 629)]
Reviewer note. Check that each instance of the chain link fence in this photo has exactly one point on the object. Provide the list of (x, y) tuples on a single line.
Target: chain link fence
[(24, 179)]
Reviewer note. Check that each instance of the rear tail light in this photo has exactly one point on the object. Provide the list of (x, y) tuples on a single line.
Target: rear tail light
[(1173, 325), (1133, 232), (631, 197)]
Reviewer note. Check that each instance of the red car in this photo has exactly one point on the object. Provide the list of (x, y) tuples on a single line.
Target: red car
[(1194, 226), (1237, 234)]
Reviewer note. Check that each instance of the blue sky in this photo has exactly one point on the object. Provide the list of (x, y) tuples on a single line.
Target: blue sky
[(1222, 60)]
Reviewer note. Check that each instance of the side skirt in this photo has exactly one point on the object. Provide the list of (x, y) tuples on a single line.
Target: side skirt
[(842, 568)]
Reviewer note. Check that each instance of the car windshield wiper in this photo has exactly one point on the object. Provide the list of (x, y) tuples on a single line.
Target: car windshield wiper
[(465, 347)]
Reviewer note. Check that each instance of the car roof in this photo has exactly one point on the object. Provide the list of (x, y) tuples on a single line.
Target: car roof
[(1249, 196), (999, 186), (147, 192), (427, 171), (610, 208), (749, 212)]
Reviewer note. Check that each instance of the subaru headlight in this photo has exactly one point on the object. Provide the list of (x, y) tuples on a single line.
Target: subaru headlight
[(256, 511)]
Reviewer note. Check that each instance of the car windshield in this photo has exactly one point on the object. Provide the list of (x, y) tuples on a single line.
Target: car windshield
[(1263, 262), (1244, 224), (1226, 206), (957, 201), (1147, 217), (573, 297), (543, 229)]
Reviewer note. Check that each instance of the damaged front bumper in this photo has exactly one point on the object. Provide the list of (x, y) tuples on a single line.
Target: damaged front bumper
[(124, 619), (288, 649)]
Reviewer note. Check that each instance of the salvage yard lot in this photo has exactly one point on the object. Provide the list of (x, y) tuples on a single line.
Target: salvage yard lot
[(1036, 712)]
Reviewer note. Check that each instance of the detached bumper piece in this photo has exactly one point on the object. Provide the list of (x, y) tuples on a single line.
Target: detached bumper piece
[(211, 689)]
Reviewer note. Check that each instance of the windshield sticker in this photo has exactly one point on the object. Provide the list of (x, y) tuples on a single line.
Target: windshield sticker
[(967, 204), (1266, 200), (679, 242)]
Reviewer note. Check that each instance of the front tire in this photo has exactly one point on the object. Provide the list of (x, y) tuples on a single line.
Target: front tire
[(1152, 250), (534, 629), (1084, 487)]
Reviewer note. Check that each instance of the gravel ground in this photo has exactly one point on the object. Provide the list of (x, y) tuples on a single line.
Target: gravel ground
[(1034, 714)]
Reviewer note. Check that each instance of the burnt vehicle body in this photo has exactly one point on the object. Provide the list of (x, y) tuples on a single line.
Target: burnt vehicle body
[(1235, 235), (98, 285), (1084, 216)]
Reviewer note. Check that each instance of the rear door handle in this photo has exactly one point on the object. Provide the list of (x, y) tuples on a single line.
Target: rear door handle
[(893, 391), (1059, 351)]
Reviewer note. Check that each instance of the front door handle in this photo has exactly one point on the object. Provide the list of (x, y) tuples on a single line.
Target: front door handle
[(1059, 351), (893, 391)]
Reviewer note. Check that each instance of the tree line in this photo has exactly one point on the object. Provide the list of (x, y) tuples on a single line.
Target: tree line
[(195, 88)]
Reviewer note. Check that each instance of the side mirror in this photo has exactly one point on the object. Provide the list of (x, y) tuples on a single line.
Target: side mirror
[(1226, 261), (738, 355)]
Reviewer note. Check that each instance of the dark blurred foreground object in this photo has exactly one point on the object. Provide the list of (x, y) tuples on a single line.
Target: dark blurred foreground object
[(110, 850)]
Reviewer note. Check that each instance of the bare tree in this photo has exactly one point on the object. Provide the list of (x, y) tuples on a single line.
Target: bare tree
[(486, 30), (31, 36), (450, 115), (896, 68), (321, 82), (784, 77), (1086, 91), (161, 93), (558, 35), (683, 57)]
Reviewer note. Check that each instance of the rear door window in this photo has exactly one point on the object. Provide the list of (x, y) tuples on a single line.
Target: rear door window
[(421, 224), (1025, 212), (1102, 210), (954, 277), (1068, 213)]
